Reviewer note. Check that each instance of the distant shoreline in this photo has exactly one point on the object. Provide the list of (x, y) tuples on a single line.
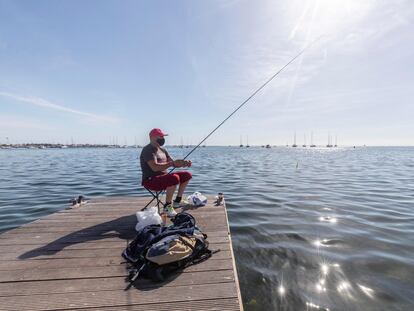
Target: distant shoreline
[(60, 146), (103, 146)]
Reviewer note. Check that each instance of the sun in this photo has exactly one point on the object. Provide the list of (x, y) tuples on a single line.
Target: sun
[(314, 18)]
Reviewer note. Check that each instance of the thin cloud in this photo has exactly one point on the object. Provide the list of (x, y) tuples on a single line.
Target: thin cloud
[(16, 122), (299, 22), (37, 101)]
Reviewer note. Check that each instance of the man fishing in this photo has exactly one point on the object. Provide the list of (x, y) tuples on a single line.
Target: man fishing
[(155, 160)]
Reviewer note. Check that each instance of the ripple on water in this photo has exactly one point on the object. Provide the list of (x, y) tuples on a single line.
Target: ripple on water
[(313, 229)]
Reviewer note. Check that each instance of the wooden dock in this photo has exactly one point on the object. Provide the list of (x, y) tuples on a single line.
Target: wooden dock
[(71, 260)]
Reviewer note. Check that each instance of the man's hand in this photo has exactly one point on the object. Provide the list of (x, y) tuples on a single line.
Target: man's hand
[(182, 163), (178, 163)]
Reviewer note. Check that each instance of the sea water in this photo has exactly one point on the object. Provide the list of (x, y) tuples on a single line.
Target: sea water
[(312, 228)]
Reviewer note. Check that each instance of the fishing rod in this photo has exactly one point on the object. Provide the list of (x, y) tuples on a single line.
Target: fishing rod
[(245, 102), (249, 98)]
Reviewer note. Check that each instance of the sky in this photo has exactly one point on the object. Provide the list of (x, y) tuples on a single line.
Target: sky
[(109, 71)]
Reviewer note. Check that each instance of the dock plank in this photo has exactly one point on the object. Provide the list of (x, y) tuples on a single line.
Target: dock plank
[(70, 260), (108, 283), (105, 298), (95, 272)]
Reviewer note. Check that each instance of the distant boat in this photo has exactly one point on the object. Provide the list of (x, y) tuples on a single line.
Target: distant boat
[(329, 145), (304, 141), (312, 144), (247, 145), (241, 142), (268, 146), (294, 141), (336, 141)]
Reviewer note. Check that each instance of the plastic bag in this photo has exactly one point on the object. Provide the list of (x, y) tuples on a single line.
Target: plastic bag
[(197, 199), (148, 217)]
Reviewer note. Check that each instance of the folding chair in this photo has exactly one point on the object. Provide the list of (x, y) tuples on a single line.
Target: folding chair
[(155, 196)]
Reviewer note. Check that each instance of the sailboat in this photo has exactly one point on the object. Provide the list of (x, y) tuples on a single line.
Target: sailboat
[(247, 145), (304, 141), (241, 142), (135, 142), (181, 143), (294, 141), (312, 144), (329, 145), (336, 141)]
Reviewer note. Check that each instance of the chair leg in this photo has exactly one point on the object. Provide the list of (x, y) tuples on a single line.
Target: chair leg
[(155, 196), (158, 202), (145, 207)]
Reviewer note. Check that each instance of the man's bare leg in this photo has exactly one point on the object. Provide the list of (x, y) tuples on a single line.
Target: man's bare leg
[(181, 188), (170, 192)]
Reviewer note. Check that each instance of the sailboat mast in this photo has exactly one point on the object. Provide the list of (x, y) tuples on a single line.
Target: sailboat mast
[(294, 140)]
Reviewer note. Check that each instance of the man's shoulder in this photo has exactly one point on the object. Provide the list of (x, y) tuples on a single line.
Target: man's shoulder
[(148, 149)]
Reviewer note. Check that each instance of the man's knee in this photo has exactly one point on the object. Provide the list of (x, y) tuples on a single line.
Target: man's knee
[(185, 176), (174, 180)]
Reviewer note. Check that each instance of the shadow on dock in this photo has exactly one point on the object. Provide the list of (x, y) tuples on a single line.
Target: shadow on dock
[(71, 260), (122, 228)]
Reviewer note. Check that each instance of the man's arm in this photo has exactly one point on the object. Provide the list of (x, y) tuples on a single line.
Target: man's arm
[(178, 163), (149, 157), (157, 167)]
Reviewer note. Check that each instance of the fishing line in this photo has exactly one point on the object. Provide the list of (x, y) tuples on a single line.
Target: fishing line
[(246, 101), (251, 96)]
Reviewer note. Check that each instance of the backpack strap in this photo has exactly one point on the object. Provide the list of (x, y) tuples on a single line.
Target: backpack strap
[(135, 276), (186, 242)]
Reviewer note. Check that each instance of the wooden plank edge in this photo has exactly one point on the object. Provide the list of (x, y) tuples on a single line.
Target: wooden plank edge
[(236, 277)]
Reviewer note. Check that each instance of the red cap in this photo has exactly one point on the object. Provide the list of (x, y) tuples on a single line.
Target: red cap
[(157, 132)]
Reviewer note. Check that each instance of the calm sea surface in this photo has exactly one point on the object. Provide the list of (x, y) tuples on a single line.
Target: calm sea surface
[(312, 228)]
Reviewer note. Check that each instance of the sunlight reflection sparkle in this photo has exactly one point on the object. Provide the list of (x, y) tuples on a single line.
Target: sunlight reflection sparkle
[(328, 219), (366, 290), (281, 290), (343, 286)]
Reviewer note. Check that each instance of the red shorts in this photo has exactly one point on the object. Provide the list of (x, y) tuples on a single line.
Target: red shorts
[(161, 182)]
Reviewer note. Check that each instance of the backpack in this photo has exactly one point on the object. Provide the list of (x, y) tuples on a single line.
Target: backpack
[(156, 252)]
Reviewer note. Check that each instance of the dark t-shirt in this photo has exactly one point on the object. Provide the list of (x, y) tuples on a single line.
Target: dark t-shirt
[(149, 152)]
